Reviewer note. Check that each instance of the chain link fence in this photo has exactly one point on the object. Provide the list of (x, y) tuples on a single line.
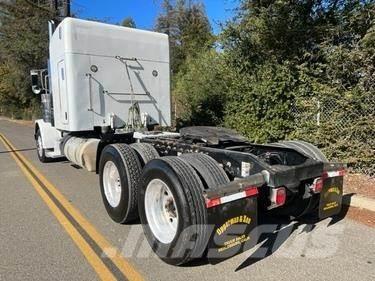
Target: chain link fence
[(344, 128)]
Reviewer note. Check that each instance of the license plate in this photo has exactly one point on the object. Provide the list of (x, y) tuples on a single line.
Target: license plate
[(331, 197)]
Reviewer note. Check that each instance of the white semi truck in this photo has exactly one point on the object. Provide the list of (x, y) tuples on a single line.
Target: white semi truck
[(197, 192)]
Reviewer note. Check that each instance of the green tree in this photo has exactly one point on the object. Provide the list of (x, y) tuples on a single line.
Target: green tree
[(23, 46), (190, 34), (262, 47), (342, 79), (259, 105), (129, 22), (201, 90), (188, 28), (288, 53)]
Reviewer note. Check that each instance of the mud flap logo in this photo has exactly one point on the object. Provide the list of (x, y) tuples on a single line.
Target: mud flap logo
[(332, 190), (237, 240), (234, 232), (240, 219)]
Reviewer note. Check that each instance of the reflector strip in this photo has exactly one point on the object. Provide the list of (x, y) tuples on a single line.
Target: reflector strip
[(212, 202), (333, 174), (250, 191)]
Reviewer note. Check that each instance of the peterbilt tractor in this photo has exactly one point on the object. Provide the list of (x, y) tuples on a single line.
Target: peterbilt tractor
[(197, 192)]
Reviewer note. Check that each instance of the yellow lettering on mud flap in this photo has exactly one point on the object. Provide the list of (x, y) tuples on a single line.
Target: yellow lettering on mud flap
[(332, 190), (330, 205), (240, 219), (234, 242)]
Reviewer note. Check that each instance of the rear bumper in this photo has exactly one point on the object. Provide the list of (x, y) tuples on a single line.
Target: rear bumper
[(233, 209)]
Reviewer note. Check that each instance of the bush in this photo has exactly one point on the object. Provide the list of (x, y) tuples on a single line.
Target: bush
[(259, 105), (201, 90)]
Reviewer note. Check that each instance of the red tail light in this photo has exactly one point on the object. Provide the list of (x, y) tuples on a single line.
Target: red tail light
[(317, 185), (280, 196), (277, 197)]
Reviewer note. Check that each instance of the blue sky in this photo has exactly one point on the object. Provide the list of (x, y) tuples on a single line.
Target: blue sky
[(144, 12)]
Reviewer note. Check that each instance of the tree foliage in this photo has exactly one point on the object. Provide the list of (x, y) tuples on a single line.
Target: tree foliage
[(128, 22), (190, 37), (207, 75), (259, 105), (188, 28), (274, 56), (23, 46), (280, 54)]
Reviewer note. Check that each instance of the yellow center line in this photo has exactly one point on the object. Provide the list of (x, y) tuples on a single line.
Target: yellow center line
[(103, 272)]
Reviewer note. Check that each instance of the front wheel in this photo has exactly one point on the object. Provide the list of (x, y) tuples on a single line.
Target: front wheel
[(39, 148)]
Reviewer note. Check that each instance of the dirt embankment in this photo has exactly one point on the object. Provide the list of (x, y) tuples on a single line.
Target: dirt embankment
[(360, 184)]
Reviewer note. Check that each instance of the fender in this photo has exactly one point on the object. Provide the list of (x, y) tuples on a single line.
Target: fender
[(50, 135)]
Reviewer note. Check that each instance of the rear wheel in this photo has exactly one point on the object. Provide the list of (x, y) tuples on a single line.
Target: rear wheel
[(119, 171), (306, 148), (39, 147), (172, 210), (145, 151), (303, 205), (161, 211), (208, 169)]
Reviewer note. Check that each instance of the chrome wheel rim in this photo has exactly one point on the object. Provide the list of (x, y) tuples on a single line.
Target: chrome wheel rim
[(112, 184), (161, 211), (39, 146)]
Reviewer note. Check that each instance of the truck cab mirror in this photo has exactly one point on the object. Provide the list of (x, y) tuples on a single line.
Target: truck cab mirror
[(36, 85)]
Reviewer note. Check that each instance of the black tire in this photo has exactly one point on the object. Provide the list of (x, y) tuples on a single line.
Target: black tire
[(40, 151), (208, 169), (306, 148), (187, 189), (145, 151), (303, 206), (129, 168)]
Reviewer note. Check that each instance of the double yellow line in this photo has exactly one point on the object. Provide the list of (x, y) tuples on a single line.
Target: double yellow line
[(91, 243)]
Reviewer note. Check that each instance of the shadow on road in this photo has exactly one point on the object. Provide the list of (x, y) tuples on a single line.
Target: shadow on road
[(17, 150), (51, 160), (59, 159), (346, 199), (272, 241), (282, 228)]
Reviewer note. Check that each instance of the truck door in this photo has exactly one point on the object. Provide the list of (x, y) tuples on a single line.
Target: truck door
[(63, 95)]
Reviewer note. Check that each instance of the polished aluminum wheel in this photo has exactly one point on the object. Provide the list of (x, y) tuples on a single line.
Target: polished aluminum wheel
[(112, 184), (39, 146), (161, 211)]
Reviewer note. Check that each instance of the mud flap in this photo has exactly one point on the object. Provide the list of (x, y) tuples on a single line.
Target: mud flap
[(331, 195), (234, 228)]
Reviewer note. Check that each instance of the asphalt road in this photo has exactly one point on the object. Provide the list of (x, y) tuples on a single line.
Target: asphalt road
[(38, 244)]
